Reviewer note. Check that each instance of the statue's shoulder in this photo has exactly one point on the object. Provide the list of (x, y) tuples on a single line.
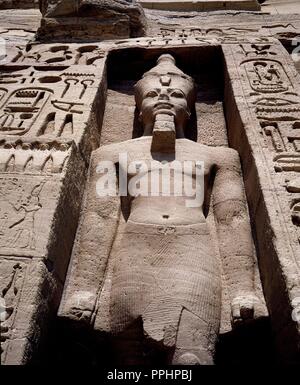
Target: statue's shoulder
[(112, 151), (218, 151), (226, 156), (109, 151), (218, 154)]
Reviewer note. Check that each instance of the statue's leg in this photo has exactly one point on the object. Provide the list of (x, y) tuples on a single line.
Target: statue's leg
[(195, 341)]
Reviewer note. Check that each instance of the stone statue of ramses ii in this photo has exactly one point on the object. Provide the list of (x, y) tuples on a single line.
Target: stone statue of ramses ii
[(146, 269)]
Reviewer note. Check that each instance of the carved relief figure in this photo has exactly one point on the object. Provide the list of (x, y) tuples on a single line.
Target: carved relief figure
[(2, 93), (164, 283), (17, 216), (11, 277)]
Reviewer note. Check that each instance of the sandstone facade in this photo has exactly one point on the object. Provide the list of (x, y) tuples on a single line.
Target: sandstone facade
[(86, 81), (23, 4)]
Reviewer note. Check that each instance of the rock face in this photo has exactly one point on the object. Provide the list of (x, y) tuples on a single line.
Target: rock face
[(202, 5), (91, 19), (204, 109), (22, 4)]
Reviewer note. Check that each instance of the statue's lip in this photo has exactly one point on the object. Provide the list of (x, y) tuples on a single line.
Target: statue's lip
[(163, 105), (165, 111)]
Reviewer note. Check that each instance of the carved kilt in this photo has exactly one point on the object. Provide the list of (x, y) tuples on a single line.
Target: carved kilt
[(160, 270)]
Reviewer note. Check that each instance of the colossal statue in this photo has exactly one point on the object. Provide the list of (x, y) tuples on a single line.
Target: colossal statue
[(153, 254)]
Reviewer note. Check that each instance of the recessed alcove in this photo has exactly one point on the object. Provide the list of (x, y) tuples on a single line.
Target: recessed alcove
[(249, 344), (204, 64)]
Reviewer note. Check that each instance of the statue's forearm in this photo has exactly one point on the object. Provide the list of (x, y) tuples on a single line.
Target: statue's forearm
[(88, 265), (239, 274), (95, 237), (236, 247), (92, 252)]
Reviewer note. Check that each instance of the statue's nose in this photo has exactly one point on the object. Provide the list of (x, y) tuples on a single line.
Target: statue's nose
[(163, 96)]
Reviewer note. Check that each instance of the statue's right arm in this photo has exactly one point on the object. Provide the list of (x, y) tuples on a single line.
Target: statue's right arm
[(95, 235)]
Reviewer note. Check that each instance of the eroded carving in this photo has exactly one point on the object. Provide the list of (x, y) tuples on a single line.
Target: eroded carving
[(267, 76), (287, 162), (58, 54), (33, 158), (295, 212), (257, 50), (90, 18), (17, 215), (271, 130), (12, 275), (3, 92), (29, 110), (22, 109), (277, 108)]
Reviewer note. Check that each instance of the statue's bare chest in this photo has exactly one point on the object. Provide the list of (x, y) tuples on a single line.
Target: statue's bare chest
[(181, 162)]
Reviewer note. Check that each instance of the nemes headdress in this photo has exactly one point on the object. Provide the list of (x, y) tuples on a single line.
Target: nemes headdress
[(165, 71)]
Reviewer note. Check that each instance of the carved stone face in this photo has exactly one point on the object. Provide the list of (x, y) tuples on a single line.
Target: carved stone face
[(166, 99), (165, 90)]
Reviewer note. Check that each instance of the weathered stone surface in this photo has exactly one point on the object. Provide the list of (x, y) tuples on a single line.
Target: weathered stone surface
[(22, 4), (268, 149), (47, 130), (201, 5), (281, 6), (52, 100), (91, 19)]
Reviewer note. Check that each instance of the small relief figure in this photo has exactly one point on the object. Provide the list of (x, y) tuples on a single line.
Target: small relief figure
[(2, 93), (17, 223), (3, 221), (10, 286), (158, 282)]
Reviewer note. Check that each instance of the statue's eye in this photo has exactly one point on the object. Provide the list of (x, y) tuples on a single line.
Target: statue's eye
[(177, 94), (151, 94)]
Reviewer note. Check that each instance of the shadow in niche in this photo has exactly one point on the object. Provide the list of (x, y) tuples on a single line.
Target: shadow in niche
[(72, 344), (248, 344), (204, 64), (138, 130)]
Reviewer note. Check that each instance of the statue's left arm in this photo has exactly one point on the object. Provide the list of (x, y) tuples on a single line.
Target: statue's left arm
[(234, 234)]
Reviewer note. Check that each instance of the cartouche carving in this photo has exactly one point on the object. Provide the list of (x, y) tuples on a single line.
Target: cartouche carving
[(267, 76)]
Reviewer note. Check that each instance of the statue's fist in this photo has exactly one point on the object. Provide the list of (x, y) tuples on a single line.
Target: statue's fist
[(80, 306), (244, 308)]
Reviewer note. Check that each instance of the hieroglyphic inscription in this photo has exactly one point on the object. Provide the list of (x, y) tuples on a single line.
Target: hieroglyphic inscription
[(41, 101), (276, 104)]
